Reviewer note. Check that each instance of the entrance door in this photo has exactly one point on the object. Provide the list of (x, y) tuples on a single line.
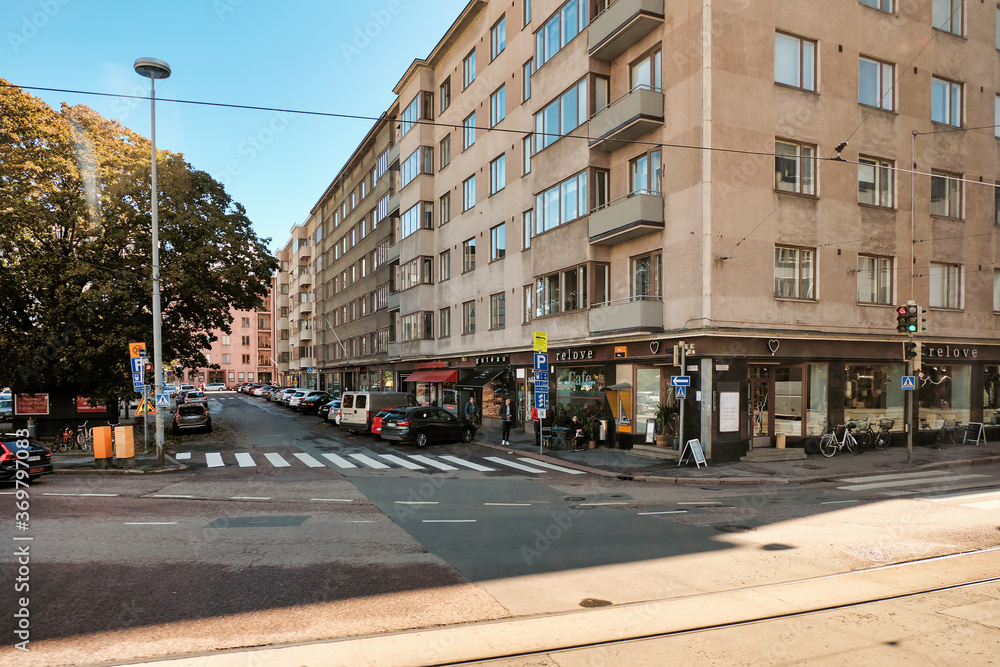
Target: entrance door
[(761, 411)]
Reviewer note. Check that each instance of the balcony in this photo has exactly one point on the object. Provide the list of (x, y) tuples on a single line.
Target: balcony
[(636, 113), (392, 254), (392, 302), (393, 156), (621, 25), (635, 314), (393, 208), (627, 218), (394, 350)]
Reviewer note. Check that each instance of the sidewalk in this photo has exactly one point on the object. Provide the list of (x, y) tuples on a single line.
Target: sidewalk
[(624, 464), (141, 463)]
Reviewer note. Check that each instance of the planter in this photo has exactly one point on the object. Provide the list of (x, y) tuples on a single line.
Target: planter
[(592, 444), (663, 440)]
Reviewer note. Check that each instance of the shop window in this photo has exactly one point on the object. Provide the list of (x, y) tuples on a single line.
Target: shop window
[(944, 393), (991, 394)]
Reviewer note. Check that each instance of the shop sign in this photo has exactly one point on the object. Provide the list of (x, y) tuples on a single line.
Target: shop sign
[(31, 405), (621, 351), (430, 364), (492, 361), (950, 352), (573, 355)]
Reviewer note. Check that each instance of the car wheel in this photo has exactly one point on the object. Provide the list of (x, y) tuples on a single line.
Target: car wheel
[(467, 434), (176, 431), (420, 440)]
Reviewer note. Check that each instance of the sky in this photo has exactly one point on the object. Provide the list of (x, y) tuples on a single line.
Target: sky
[(311, 55)]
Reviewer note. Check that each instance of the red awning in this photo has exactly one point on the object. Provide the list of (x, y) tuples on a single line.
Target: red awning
[(433, 376)]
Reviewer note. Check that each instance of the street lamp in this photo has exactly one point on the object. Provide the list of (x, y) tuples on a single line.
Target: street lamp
[(154, 69)]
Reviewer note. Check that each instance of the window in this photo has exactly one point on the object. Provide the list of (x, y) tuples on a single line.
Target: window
[(444, 323), (418, 216), (996, 204), (444, 265), (227, 358), (526, 80), (225, 340), (246, 359), (416, 326), (561, 292), (602, 188), (527, 12), (874, 279), (245, 321), (498, 317), (444, 148), (947, 15), (498, 105), (875, 83), (647, 276), (526, 154), (794, 166), (645, 72), (469, 131), (444, 208), (444, 92), (561, 203), (884, 5), (468, 193), (420, 108), (794, 61), (561, 116), (945, 285), (528, 225), (244, 340), (946, 194), (565, 24), (794, 273), (946, 102), (469, 317), (498, 37), (644, 174), (996, 290), (875, 182), (498, 242), (418, 271), (498, 174), (469, 69), (420, 161), (469, 255)]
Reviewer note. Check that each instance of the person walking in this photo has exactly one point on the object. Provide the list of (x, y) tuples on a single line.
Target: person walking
[(507, 418), (538, 426), (578, 435), (472, 410)]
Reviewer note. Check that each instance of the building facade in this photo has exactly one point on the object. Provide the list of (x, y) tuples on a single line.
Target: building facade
[(738, 193), (246, 354)]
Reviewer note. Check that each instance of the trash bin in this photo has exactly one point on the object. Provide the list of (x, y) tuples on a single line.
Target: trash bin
[(780, 440)]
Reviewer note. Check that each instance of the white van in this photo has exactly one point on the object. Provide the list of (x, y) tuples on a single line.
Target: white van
[(358, 407)]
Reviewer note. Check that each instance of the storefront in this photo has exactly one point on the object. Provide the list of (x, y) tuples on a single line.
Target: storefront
[(490, 384), (433, 384)]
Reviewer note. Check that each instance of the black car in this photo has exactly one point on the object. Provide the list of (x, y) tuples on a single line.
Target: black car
[(311, 404), (424, 424), (324, 409), (37, 462)]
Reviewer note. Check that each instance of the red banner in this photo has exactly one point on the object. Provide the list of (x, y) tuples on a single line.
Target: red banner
[(31, 405), (83, 406)]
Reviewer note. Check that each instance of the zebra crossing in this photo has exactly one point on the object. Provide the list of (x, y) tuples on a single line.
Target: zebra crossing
[(372, 460), (933, 485)]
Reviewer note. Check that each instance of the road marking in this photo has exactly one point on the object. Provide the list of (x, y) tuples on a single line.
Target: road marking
[(308, 460), (909, 482), (508, 504), (664, 512), (546, 464), (149, 523), (468, 464), (94, 495), (431, 462), (449, 520), (369, 461), (701, 502), (513, 464), (599, 504), (985, 505), (898, 475), (245, 460), (964, 496), (168, 495), (417, 502), (837, 502), (214, 460), (331, 500), (276, 460), (183, 455), (249, 497), (339, 461), (398, 460)]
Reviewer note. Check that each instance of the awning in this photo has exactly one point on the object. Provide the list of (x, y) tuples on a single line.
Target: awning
[(480, 378), (432, 376)]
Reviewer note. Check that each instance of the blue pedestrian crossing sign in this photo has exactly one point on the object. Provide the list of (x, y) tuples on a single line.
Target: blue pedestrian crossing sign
[(681, 391), (162, 401), (909, 382)]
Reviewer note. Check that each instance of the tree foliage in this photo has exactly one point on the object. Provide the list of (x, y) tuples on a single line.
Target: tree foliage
[(76, 251)]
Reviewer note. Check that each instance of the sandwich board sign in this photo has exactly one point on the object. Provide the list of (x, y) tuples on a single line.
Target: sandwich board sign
[(693, 449)]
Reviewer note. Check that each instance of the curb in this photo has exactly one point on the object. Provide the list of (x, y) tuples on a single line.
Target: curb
[(132, 470)]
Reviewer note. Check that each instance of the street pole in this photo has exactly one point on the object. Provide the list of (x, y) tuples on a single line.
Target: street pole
[(680, 430), (155, 69)]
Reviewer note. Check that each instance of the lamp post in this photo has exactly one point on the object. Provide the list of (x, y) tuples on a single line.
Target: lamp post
[(154, 69)]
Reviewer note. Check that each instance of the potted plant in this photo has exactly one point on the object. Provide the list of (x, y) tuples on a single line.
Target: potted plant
[(665, 419)]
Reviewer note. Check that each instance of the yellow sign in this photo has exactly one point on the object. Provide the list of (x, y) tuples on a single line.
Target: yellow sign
[(541, 342), (136, 350), (145, 407)]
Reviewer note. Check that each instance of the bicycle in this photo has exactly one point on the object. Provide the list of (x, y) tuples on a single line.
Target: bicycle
[(65, 440), (866, 435), (830, 445), (85, 437), (884, 434), (948, 431)]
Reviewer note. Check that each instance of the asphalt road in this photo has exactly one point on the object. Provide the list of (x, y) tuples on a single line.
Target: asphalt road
[(244, 550)]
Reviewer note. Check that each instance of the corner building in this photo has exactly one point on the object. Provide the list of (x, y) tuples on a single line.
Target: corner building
[(747, 189)]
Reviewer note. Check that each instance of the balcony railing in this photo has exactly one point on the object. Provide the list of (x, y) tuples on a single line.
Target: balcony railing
[(627, 218), (393, 204), (634, 314), (392, 254), (394, 350), (634, 114), (393, 156), (392, 303), (622, 24)]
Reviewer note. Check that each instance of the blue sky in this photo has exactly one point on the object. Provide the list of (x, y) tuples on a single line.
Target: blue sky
[(332, 56)]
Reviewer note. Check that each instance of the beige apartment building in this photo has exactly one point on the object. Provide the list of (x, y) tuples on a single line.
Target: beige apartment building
[(243, 355), (740, 193)]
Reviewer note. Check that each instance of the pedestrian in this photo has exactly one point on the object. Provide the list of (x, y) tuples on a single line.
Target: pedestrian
[(507, 418), (538, 426), (472, 410), (578, 436)]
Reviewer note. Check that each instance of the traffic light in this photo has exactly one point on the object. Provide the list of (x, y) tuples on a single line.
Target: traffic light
[(912, 352), (148, 377), (908, 318)]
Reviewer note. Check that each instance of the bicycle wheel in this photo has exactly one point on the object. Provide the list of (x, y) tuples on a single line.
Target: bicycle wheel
[(85, 445), (882, 440), (865, 440), (852, 444), (827, 445), (60, 445)]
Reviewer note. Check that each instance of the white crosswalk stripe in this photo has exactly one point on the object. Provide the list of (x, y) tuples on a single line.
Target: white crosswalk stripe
[(245, 460), (552, 466), (513, 464), (897, 485), (432, 463), (308, 460), (468, 464), (339, 461), (398, 460), (214, 460), (987, 500), (276, 460), (369, 461)]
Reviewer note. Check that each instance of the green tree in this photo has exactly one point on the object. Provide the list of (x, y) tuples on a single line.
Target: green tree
[(76, 247)]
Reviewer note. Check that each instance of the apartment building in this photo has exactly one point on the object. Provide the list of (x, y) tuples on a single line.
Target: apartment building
[(245, 354), (739, 193)]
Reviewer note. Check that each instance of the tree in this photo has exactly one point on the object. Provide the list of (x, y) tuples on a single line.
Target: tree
[(76, 247)]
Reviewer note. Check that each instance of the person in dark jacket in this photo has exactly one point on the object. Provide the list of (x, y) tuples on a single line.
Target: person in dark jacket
[(472, 410), (507, 418)]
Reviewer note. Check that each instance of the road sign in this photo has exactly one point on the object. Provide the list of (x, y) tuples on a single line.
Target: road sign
[(909, 382), (145, 407), (541, 361), (136, 350), (136, 365), (680, 380), (162, 401), (681, 391), (542, 400), (541, 378), (540, 341), (137, 378)]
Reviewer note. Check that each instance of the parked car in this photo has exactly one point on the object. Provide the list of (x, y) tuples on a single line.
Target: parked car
[(377, 422), (325, 409), (424, 424), (358, 407), (192, 416), (187, 387), (298, 396), (278, 395), (6, 409), (260, 389), (216, 386), (310, 404), (38, 462), (195, 397)]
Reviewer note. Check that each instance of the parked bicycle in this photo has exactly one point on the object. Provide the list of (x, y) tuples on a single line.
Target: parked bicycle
[(830, 445), (866, 434), (65, 440), (950, 431), (85, 437), (884, 434)]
